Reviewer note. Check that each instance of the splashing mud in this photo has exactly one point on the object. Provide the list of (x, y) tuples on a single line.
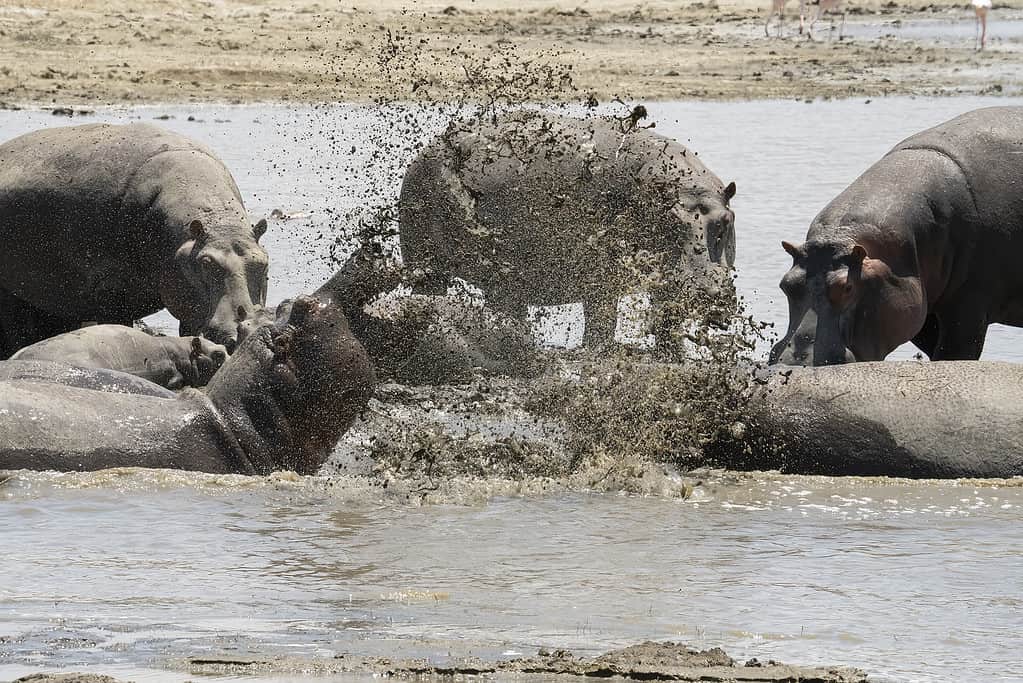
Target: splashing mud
[(474, 403)]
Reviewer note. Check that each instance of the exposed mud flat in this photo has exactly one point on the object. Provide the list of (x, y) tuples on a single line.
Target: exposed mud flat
[(647, 661), (93, 52)]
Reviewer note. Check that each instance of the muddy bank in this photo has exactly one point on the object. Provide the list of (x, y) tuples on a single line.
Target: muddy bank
[(646, 661), (93, 52)]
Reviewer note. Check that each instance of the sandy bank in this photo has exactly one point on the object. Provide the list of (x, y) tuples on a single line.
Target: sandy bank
[(115, 51)]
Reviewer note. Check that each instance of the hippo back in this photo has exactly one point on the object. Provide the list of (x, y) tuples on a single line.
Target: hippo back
[(110, 381), (910, 419), (532, 206), (987, 145)]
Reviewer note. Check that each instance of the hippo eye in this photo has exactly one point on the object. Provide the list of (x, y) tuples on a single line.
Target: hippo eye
[(208, 263), (703, 209)]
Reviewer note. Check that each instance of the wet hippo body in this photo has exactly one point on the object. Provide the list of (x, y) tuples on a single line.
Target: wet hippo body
[(924, 247), (110, 223), (540, 209), (171, 362), (280, 402), (898, 419), (96, 379)]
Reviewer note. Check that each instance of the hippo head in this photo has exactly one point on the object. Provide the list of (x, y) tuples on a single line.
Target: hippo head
[(204, 359), (845, 306), (217, 275), (709, 213), (293, 388)]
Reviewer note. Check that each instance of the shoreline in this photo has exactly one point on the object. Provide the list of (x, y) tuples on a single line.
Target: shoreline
[(90, 53)]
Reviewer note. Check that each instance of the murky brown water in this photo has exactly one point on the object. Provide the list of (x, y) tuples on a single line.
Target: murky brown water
[(127, 572)]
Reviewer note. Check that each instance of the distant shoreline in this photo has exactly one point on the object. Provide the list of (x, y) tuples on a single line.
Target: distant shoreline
[(109, 53)]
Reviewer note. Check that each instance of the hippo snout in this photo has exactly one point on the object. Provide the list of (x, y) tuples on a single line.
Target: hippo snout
[(227, 336), (799, 350), (721, 239)]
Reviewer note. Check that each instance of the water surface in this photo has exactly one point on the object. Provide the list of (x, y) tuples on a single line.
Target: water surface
[(913, 581), (128, 572)]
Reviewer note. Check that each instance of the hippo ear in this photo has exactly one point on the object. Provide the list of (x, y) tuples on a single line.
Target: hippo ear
[(857, 255), (196, 347), (792, 250), (196, 229), (259, 229), (730, 191)]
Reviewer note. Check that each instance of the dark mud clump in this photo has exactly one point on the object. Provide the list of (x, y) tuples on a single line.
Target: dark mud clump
[(646, 661)]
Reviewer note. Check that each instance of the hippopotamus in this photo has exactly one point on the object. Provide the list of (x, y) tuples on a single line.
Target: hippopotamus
[(96, 379), (423, 339), (106, 223), (915, 419), (537, 208), (280, 402), (923, 247), (171, 362)]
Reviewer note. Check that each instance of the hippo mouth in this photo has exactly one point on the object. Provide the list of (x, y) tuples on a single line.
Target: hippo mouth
[(272, 343)]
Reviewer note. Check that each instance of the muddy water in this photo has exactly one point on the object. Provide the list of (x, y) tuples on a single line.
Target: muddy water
[(127, 573), (120, 572)]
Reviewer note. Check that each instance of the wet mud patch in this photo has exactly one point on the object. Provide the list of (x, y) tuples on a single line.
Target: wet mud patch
[(648, 661)]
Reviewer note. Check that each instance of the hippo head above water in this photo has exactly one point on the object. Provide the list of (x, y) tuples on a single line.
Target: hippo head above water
[(293, 387), (218, 279), (204, 359), (846, 304), (709, 212)]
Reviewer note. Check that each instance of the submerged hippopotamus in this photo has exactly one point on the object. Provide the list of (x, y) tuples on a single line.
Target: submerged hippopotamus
[(923, 247), (281, 402), (171, 362), (896, 419), (108, 224), (541, 209)]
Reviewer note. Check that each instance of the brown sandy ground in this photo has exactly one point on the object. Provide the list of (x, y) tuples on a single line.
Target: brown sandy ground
[(85, 52), (646, 661)]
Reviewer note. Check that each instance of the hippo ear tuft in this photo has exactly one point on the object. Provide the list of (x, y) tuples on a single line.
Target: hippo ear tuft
[(196, 229), (730, 191), (792, 249), (857, 255), (259, 229)]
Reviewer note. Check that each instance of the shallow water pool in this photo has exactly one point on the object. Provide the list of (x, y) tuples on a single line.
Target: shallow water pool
[(129, 572)]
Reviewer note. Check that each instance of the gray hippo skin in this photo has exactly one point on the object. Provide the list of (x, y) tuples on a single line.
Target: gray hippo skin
[(109, 224), (281, 402), (540, 209), (923, 247), (96, 379), (897, 419), (171, 362)]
